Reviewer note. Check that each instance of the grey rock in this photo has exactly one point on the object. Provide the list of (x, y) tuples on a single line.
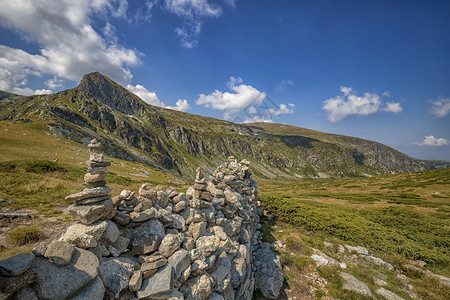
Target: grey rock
[(143, 215), (388, 295), (152, 226), (121, 218), (59, 253), (27, 293), (96, 229), (209, 244), (89, 193), (198, 288), (159, 283), (170, 244), (111, 233), (135, 282), (145, 244), (353, 284), (16, 265), (268, 277), (121, 244), (150, 268), (88, 214), (177, 221), (358, 249), (115, 273), (197, 229), (94, 291), (92, 200), (58, 283), (179, 261), (215, 296), (9, 285), (173, 295)]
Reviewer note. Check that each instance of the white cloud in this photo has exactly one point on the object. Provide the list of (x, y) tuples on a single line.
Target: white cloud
[(146, 95), (42, 92), (244, 103), (387, 94), (181, 105), (340, 107), (440, 107), (69, 45), (430, 140), (393, 107), (193, 12), (242, 97), (54, 82), (284, 85), (282, 110)]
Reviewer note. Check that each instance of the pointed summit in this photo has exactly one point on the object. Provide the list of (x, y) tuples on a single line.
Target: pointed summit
[(101, 89)]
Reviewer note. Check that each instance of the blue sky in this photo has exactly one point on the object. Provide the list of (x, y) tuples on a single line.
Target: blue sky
[(378, 70)]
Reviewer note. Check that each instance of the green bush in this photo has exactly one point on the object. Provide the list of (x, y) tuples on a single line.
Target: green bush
[(25, 234), (42, 166)]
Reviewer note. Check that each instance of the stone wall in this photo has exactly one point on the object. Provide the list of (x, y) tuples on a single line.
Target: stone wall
[(158, 244)]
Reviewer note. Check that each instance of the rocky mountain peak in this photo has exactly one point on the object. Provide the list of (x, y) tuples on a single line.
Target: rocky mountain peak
[(103, 90)]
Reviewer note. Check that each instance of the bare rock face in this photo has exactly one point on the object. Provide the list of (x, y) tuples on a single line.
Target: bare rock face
[(58, 283)]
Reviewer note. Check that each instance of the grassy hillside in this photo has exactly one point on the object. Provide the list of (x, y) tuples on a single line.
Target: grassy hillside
[(178, 142)]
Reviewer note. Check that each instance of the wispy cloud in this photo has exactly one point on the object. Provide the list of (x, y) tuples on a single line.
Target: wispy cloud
[(193, 12), (42, 92), (284, 85), (340, 107), (430, 140), (440, 107)]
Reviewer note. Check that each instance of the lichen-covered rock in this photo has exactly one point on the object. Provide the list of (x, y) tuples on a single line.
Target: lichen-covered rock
[(111, 234), (145, 244), (353, 284), (179, 261), (170, 244), (198, 288)]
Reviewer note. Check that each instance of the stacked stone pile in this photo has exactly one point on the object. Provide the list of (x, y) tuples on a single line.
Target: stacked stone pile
[(161, 244), (94, 202)]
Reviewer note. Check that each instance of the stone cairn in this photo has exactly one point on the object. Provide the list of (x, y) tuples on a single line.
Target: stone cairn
[(163, 244)]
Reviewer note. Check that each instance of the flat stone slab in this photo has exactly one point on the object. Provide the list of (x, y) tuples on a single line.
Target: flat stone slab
[(16, 265), (89, 193), (90, 213), (159, 283), (57, 283)]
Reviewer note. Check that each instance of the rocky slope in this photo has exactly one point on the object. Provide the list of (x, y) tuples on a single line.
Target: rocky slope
[(173, 141)]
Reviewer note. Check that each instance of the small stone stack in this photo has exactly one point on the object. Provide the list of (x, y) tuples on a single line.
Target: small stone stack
[(94, 202)]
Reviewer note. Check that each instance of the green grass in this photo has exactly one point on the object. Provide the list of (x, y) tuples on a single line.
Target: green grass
[(414, 234), (25, 234)]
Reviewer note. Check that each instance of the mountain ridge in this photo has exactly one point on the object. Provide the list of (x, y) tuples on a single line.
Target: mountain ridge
[(178, 142)]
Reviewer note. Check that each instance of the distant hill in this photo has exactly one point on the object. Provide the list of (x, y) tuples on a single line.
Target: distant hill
[(179, 142)]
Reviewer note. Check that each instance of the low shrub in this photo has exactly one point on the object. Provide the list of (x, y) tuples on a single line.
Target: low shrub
[(25, 234), (42, 166)]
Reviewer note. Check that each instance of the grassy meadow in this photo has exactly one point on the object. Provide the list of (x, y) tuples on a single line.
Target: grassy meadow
[(399, 218)]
